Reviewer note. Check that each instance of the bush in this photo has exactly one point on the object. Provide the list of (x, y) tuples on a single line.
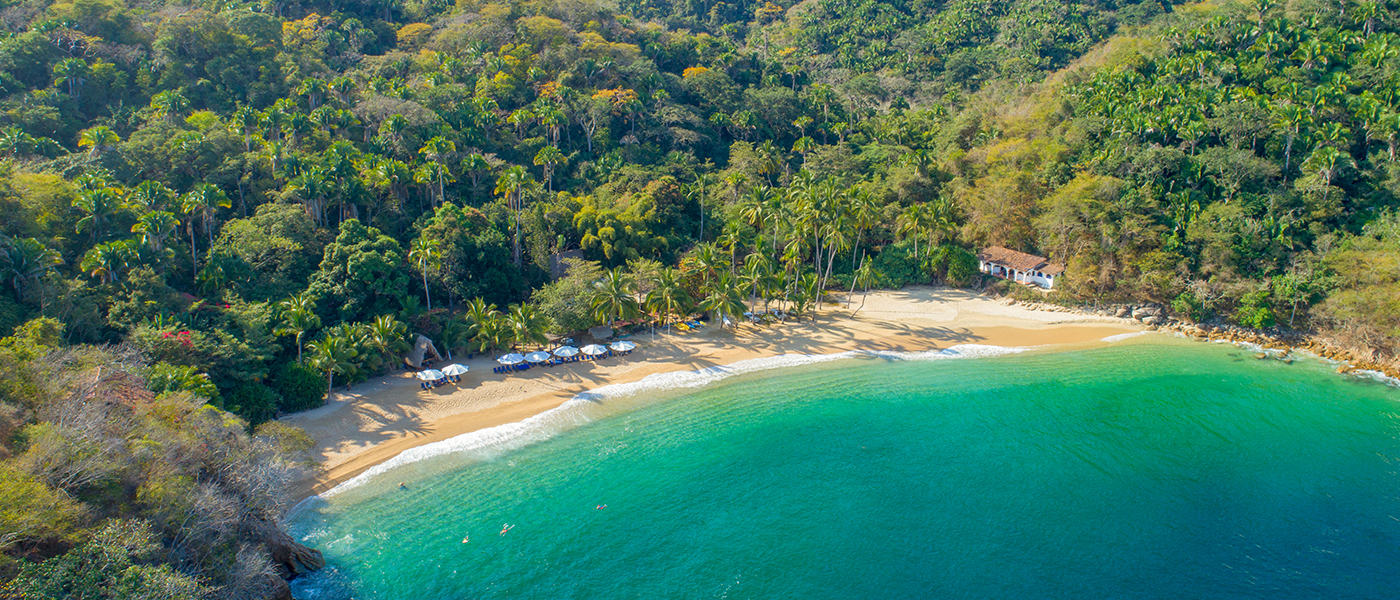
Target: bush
[(962, 266), (299, 388), (1188, 305), (895, 267), (1254, 311), (255, 402)]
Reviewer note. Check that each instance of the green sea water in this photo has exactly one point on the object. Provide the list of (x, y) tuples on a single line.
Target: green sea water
[(1148, 468)]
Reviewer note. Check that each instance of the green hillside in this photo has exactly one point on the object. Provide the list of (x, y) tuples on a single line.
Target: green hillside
[(259, 201)]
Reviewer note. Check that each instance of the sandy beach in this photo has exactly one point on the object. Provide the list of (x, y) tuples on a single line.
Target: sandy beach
[(378, 419)]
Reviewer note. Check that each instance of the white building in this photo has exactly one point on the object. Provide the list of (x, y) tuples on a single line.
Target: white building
[(1020, 267)]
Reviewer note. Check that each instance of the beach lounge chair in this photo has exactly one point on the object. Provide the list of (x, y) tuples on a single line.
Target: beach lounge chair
[(682, 326)]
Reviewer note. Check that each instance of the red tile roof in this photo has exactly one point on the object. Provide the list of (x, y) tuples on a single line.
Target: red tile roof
[(1019, 261)]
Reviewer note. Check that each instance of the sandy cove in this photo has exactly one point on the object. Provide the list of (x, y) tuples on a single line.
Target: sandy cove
[(378, 419)]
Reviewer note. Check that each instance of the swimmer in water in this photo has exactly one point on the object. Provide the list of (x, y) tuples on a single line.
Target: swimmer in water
[(505, 528), (602, 506), (467, 538), (403, 486)]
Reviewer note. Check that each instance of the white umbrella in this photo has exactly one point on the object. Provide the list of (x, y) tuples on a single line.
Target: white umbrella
[(537, 357), (454, 370), (623, 346), (566, 351), (594, 350), (430, 375), (511, 359)]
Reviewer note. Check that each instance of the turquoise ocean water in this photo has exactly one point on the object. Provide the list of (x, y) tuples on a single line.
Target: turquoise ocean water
[(1150, 468)]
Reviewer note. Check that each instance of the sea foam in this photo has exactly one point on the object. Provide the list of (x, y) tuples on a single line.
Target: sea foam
[(485, 444), (1123, 336)]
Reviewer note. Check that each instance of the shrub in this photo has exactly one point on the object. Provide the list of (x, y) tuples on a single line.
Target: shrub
[(255, 402), (1254, 311), (299, 388)]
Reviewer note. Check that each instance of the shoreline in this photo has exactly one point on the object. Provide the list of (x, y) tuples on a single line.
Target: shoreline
[(379, 419)]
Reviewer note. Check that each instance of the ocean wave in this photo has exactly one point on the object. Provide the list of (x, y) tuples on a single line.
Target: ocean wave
[(1378, 376), (1123, 336), (495, 441)]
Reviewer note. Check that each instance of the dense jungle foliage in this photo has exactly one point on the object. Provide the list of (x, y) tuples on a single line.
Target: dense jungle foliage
[(260, 201)]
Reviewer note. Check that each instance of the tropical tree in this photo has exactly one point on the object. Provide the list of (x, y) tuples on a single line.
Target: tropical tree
[(332, 354), (155, 227), (668, 296), (426, 255), (724, 298), (27, 260), (72, 72), (100, 205), (387, 336), (512, 183), (614, 297), (97, 139), (549, 157), (298, 316), (526, 324), (203, 201)]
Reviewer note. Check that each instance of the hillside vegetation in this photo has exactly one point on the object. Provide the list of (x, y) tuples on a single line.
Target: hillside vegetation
[(239, 206)]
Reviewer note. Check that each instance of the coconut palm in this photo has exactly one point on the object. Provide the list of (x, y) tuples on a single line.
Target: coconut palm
[(387, 336), (155, 227), (724, 298), (526, 324), (334, 353), (512, 183), (668, 297), (549, 157), (100, 205), (426, 255), (615, 297), (298, 317), (26, 260), (150, 196), (97, 139)]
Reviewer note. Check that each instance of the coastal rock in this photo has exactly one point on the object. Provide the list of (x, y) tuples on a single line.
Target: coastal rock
[(1123, 312), (1153, 320), (291, 557)]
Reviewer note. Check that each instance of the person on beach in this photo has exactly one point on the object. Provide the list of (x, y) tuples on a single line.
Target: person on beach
[(505, 528)]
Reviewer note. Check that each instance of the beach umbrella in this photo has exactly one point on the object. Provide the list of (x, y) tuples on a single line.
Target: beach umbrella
[(623, 346), (454, 370), (566, 351), (537, 357), (511, 359), (430, 375), (594, 350)]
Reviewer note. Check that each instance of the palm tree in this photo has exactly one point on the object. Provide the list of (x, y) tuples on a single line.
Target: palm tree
[(475, 165), (526, 324), (203, 200), (426, 255), (71, 72), (334, 354), (155, 227), (168, 105), (615, 297), (512, 184), (105, 261), (725, 298), (708, 259), (98, 139), (437, 150), (668, 297), (864, 278), (1327, 162), (298, 317), (149, 196), (100, 205), (26, 260), (549, 157), (912, 223), (478, 313), (387, 335)]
